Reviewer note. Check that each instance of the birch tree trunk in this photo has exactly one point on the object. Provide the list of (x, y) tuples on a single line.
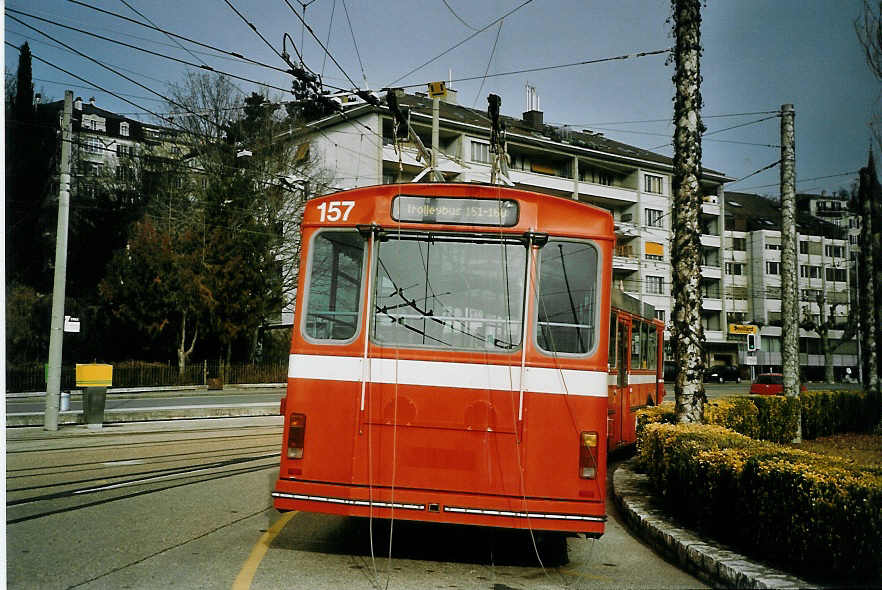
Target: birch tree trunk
[(687, 336)]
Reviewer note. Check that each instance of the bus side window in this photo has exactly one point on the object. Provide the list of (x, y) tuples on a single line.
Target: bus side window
[(612, 341), (644, 345), (635, 344), (652, 349), (334, 288)]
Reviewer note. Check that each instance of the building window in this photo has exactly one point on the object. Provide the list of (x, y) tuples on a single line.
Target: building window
[(654, 217), (834, 251), (809, 272), (654, 251), (480, 152), (660, 314), (124, 129), (652, 184), (803, 247), (835, 274), (773, 268), (739, 244), (125, 150), (654, 285), (734, 268), (853, 239), (770, 246), (93, 145), (125, 174)]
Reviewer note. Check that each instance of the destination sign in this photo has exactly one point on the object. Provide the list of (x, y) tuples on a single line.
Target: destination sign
[(455, 211)]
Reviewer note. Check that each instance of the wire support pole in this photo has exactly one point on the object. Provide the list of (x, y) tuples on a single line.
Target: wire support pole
[(789, 301), (56, 333)]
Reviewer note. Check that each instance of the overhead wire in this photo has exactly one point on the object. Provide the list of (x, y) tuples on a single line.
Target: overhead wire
[(254, 28), (473, 35), (489, 61), (330, 28), (175, 41), (355, 44), (110, 69), (545, 68), (226, 52), (459, 18), (319, 41), (135, 47)]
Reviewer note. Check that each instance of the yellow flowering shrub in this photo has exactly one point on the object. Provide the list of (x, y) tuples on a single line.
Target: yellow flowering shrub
[(817, 515)]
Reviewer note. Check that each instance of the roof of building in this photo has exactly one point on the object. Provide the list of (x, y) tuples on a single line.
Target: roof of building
[(523, 131), (113, 120), (756, 212)]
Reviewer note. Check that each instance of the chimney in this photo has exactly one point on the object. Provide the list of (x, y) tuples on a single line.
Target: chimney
[(533, 119), (78, 103), (92, 101)]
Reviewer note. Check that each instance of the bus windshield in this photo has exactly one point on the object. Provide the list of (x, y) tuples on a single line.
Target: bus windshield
[(451, 293)]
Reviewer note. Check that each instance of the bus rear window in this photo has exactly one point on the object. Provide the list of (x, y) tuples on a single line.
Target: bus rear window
[(567, 297), (334, 286), (449, 294)]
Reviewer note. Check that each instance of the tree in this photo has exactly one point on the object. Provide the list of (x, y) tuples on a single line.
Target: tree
[(822, 325), (248, 206), (31, 148), (687, 336), (868, 27), (154, 290)]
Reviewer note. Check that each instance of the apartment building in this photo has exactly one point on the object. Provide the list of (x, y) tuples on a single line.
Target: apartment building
[(752, 285), (108, 147), (634, 184)]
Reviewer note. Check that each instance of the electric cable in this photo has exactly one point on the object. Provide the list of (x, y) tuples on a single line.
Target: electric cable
[(176, 42), (319, 41), (233, 54), (254, 28), (489, 61), (355, 44), (442, 54), (135, 47), (459, 18)]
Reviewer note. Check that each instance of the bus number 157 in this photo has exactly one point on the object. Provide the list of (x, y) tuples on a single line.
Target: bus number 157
[(335, 210)]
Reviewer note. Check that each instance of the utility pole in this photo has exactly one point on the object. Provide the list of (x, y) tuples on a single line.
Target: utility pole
[(789, 296), (56, 333), (687, 335), (869, 333)]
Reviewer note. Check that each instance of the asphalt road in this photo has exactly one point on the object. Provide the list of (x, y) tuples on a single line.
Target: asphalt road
[(187, 505)]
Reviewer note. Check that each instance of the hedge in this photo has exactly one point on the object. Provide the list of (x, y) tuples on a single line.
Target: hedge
[(774, 417), (830, 412), (820, 516)]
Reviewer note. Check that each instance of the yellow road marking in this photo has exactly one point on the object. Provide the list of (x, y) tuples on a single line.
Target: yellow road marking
[(249, 568)]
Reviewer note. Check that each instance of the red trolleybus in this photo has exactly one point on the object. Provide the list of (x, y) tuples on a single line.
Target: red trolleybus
[(449, 359), (635, 365)]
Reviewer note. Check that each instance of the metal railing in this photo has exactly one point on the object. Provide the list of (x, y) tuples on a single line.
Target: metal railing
[(32, 377)]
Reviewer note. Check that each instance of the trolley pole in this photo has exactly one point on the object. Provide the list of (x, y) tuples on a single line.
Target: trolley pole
[(56, 333), (789, 300)]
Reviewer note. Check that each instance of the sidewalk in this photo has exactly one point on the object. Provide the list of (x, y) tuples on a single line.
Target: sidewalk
[(165, 411), (706, 559)]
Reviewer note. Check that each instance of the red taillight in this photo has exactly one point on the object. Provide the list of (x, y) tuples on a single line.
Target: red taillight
[(588, 455), (296, 434)]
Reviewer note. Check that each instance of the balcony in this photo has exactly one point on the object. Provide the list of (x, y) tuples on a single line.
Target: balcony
[(708, 208), (714, 336), (711, 304), (626, 230), (711, 272), (710, 241), (625, 259), (614, 195)]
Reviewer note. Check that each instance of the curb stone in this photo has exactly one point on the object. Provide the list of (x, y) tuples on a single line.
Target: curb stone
[(711, 562)]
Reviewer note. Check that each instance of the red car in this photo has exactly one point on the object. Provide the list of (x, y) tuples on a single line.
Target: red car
[(769, 384)]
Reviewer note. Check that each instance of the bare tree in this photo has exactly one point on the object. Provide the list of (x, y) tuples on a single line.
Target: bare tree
[(687, 335), (869, 32), (822, 324)]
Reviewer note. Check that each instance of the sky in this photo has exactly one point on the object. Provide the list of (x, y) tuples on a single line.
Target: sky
[(757, 56)]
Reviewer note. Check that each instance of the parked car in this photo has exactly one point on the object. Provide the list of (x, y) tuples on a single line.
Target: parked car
[(720, 373), (769, 384)]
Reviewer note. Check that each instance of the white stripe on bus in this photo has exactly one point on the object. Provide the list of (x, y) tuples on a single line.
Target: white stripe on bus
[(444, 374), (613, 379)]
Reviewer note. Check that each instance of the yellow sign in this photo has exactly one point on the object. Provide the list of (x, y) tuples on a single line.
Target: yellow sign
[(437, 89), (742, 329), (94, 375)]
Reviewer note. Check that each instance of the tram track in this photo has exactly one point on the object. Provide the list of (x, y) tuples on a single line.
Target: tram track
[(153, 483), (180, 438), (42, 471)]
